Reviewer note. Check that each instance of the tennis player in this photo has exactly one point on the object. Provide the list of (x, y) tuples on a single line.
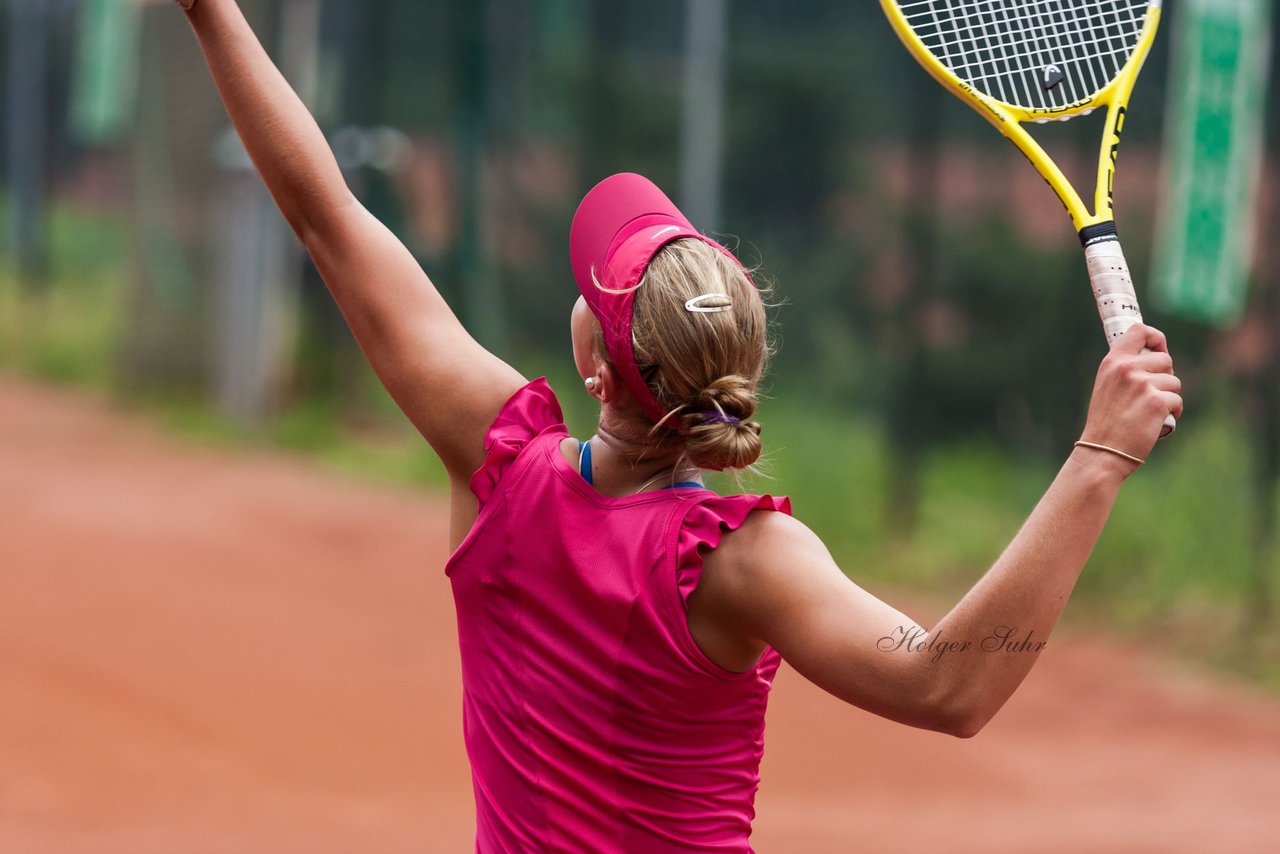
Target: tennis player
[(619, 623)]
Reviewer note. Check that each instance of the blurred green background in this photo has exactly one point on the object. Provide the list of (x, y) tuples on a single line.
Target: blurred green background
[(938, 342)]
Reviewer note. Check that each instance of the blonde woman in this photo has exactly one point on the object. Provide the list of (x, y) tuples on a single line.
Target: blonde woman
[(619, 623)]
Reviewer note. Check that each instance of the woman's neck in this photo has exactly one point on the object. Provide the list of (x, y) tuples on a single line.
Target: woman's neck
[(624, 464)]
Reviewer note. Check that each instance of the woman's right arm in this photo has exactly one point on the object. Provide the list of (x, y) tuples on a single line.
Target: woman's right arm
[(445, 382), (774, 582)]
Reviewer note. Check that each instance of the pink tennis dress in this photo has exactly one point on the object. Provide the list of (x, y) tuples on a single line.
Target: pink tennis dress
[(593, 721)]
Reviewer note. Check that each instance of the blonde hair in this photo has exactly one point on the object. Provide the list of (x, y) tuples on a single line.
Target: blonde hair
[(704, 367)]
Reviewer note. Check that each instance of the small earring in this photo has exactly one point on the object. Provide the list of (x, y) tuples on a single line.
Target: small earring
[(591, 382)]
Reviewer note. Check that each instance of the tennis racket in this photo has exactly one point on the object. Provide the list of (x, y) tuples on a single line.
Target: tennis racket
[(1034, 61)]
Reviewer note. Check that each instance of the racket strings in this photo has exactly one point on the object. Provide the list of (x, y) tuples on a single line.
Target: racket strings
[(1009, 51), (1036, 54)]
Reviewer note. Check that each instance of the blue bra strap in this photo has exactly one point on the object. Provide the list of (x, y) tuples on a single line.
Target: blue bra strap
[(584, 462)]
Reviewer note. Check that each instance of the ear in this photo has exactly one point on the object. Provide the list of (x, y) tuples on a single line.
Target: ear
[(608, 387)]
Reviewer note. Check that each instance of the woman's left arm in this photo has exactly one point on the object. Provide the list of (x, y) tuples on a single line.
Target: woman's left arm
[(445, 382), (773, 580)]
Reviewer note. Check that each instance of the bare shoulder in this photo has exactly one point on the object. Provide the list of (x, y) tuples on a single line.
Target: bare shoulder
[(773, 583), (748, 580), (764, 541)]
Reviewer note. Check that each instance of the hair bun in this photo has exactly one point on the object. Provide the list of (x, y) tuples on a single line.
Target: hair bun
[(719, 434)]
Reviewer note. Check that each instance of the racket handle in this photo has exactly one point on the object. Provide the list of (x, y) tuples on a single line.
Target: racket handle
[(1114, 293)]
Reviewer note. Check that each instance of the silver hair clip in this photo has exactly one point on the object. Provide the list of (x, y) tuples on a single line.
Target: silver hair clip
[(696, 304)]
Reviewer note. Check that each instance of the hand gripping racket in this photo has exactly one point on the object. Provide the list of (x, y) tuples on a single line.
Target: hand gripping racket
[(1018, 61)]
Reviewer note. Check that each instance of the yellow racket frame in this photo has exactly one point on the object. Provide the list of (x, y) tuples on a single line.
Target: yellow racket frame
[(1008, 118)]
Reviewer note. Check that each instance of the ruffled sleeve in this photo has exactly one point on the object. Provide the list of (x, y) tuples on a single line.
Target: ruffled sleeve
[(704, 526), (525, 415)]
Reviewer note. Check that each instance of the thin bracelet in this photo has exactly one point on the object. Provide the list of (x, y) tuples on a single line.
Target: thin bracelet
[(1130, 457)]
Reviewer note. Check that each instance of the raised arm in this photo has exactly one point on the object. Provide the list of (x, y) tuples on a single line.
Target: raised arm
[(445, 382), (774, 582)]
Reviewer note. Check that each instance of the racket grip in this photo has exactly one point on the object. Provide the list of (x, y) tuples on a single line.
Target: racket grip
[(1117, 300)]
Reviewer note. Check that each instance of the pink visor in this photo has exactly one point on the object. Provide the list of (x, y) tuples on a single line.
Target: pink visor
[(620, 225)]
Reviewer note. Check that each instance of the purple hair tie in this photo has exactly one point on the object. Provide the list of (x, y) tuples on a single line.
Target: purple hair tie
[(712, 416)]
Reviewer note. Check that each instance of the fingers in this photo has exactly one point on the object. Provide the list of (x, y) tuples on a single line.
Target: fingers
[(1155, 371), (1138, 337), (1138, 367), (1138, 376), (1151, 359), (1161, 396), (1155, 362), (1166, 382)]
